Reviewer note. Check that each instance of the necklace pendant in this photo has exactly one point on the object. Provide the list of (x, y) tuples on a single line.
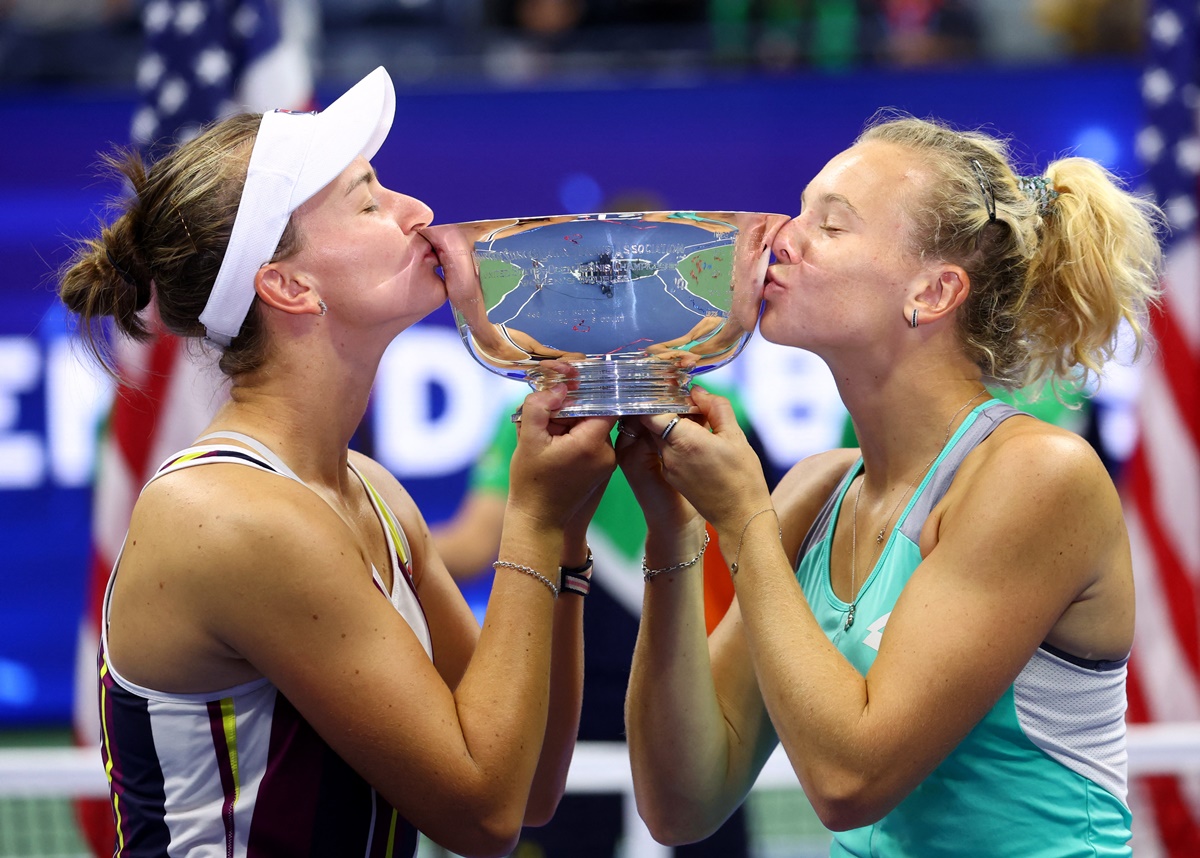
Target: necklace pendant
[(879, 536), (849, 618)]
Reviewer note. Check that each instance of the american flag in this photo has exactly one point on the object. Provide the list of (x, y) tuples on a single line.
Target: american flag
[(1162, 477), (203, 59), (206, 59)]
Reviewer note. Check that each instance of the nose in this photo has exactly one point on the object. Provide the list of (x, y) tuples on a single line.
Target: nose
[(412, 214), (786, 245)]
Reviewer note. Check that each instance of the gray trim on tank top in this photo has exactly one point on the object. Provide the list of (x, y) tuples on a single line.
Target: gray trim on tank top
[(986, 421), (943, 474)]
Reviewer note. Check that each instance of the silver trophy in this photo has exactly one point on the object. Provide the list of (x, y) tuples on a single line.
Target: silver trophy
[(625, 308)]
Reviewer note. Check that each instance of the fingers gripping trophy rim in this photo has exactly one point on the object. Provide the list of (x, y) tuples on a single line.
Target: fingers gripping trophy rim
[(625, 430)]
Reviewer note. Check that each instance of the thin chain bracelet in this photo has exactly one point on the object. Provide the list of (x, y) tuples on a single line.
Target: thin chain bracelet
[(504, 564), (647, 574), (733, 567)]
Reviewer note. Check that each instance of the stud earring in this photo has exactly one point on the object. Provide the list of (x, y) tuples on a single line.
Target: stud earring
[(325, 309), (913, 322)]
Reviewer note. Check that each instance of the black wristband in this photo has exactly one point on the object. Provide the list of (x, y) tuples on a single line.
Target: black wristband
[(576, 579)]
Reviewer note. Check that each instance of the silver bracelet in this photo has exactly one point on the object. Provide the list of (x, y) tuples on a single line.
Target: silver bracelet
[(504, 564), (647, 573), (733, 567)]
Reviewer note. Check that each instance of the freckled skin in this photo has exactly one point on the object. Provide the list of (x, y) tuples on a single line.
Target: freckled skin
[(1012, 567), (234, 611)]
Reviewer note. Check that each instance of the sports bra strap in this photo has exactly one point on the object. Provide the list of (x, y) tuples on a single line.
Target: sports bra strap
[(258, 447)]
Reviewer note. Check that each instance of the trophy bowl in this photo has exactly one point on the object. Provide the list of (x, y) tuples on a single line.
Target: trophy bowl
[(625, 308)]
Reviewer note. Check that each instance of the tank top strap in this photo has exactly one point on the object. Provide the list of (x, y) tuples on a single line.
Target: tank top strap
[(257, 446), (822, 524), (403, 596), (980, 424), (396, 536)]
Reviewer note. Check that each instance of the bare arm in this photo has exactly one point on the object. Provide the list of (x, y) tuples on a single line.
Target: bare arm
[(699, 731), (471, 539), (282, 587), (443, 600), (467, 542), (1037, 499)]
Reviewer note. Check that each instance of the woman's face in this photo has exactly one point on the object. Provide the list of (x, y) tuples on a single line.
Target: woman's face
[(363, 253), (843, 267)]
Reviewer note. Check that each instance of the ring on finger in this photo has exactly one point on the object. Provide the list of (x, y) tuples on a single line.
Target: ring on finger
[(669, 428)]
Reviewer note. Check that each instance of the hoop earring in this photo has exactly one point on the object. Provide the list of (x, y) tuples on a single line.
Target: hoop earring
[(325, 309), (913, 323)]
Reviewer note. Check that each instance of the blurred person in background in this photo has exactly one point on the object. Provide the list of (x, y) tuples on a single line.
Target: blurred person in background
[(841, 34), (935, 626), (590, 825), (286, 667), (1094, 27)]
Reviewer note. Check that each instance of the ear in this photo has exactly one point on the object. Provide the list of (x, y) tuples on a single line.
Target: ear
[(284, 292), (938, 296)]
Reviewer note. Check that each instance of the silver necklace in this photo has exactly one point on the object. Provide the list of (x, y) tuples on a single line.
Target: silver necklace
[(883, 530)]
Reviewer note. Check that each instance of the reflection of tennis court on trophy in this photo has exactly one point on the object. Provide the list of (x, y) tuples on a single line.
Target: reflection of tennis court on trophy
[(604, 286)]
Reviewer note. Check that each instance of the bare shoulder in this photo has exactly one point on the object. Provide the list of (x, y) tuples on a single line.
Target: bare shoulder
[(810, 481), (211, 552), (230, 511), (1033, 515), (805, 488), (226, 529), (384, 482), (1036, 495), (399, 501), (1039, 462)]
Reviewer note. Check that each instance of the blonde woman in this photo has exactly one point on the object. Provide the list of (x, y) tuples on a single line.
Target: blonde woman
[(935, 626)]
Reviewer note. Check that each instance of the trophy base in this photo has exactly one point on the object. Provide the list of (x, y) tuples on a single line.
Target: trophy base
[(617, 386)]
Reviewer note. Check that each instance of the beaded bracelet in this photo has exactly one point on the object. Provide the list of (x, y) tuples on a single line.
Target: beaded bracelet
[(576, 579), (647, 573), (504, 564)]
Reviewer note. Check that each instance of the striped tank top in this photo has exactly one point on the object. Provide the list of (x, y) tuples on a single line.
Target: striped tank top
[(239, 773)]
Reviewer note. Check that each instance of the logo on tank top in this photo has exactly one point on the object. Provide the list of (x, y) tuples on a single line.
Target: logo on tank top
[(876, 632)]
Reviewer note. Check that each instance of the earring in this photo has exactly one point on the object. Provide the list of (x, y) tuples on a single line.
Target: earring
[(325, 309), (913, 323)]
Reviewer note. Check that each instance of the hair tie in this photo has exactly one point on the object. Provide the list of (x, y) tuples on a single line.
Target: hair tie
[(1039, 190), (141, 294)]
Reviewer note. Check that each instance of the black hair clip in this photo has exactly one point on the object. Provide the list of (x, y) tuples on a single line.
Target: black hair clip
[(985, 185), (142, 296)]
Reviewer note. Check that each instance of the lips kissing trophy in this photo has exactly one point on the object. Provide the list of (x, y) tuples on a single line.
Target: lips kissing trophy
[(626, 308)]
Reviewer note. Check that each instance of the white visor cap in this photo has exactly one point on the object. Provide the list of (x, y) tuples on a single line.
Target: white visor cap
[(295, 155)]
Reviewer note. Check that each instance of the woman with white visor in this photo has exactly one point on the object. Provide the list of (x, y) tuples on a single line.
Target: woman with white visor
[(286, 667)]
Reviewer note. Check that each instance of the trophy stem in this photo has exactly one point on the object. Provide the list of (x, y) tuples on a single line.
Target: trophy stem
[(619, 385)]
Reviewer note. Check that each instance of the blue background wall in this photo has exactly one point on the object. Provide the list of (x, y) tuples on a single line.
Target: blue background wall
[(748, 143)]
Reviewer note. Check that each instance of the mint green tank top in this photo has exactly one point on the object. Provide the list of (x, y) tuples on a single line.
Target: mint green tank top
[(1043, 775)]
